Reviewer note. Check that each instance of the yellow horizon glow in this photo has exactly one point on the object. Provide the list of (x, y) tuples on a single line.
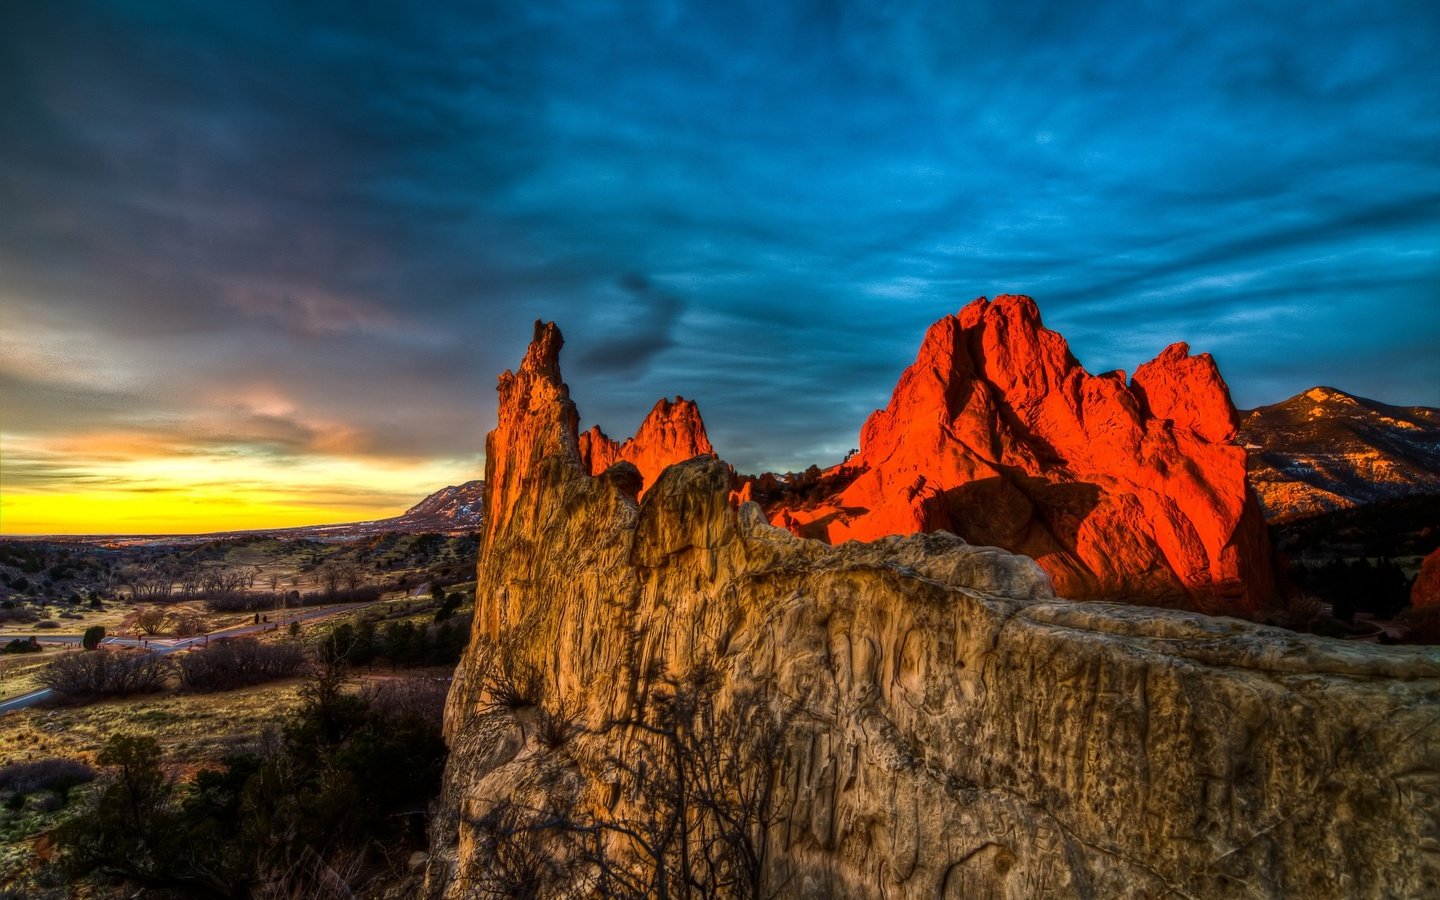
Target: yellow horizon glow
[(123, 487)]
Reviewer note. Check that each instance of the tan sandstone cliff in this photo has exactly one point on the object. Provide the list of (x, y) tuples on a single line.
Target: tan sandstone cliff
[(948, 727)]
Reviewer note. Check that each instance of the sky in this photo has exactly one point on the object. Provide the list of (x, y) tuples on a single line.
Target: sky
[(261, 262)]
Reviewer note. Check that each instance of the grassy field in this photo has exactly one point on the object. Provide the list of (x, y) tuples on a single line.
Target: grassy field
[(18, 671), (193, 730), (54, 589)]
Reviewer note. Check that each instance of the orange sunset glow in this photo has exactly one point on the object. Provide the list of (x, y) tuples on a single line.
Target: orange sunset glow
[(118, 484)]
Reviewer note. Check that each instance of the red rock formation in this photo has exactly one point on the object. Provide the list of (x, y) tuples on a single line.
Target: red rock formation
[(1426, 589), (996, 433), (672, 432), (536, 425)]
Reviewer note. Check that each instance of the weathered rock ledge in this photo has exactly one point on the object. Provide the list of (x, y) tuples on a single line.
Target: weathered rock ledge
[(960, 732)]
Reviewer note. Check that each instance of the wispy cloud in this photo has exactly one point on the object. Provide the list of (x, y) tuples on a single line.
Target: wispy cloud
[(758, 206)]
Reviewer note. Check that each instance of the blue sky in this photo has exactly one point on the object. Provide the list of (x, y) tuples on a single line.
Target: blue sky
[(357, 210)]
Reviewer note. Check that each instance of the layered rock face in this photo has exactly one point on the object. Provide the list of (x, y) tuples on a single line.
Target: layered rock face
[(672, 432), (951, 729), (1121, 491), (1324, 450)]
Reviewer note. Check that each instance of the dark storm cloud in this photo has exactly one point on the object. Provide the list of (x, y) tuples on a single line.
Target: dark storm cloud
[(636, 328), (360, 208)]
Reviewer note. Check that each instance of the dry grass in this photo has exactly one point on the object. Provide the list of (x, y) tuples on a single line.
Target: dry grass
[(18, 671), (194, 731), (192, 728)]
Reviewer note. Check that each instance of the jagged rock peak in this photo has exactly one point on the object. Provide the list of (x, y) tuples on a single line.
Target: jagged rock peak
[(672, 432), (542, 357), (536, 425), (1121, 491)]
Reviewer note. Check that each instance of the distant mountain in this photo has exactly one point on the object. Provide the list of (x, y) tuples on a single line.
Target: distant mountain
[(453, 508), (1325, 450), (456, 509)]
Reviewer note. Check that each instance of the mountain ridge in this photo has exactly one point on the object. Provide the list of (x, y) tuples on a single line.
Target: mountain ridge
[(1325, 449)]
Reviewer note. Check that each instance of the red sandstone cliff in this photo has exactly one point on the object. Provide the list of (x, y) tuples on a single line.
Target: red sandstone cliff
[(1426, 589), (1121, 491), (673, 432)]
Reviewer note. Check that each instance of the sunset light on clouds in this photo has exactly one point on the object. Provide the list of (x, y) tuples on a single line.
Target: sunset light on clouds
[(130, 484), (261, 263)]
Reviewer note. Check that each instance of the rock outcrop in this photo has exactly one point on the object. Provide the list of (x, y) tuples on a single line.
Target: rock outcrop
[(1121, 491), (1426, 589), (946, 726), (672, 432), (1324, 450)]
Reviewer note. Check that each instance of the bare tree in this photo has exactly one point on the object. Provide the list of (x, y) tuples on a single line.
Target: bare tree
[(191, 581), (106, 671), (329, 577), (220, 580), (352, 576), (151, 581), (150, 620), (702, 785), (188, 623), (695, 797)]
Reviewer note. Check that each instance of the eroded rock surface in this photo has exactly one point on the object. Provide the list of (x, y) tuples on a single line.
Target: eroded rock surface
[(960, 731), (1130, 491)]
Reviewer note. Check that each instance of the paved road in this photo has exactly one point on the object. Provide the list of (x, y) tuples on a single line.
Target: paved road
[(169, 645)]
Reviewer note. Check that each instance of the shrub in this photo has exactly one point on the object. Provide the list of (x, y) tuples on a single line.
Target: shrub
[(107, 673), (47, 624), (20, 613), (512, 682), (93, 636), (187, 624), (555, 725), (409, 695), (233, 663), (449, 603), (243, 601), (344, 775), (58, 775), (23, 645), (150, 619)]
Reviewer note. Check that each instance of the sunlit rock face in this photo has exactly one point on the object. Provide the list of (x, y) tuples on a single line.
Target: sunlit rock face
[(672, 432), (1426, 589), (958, 732), (1129, 491), (1324, 449)]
